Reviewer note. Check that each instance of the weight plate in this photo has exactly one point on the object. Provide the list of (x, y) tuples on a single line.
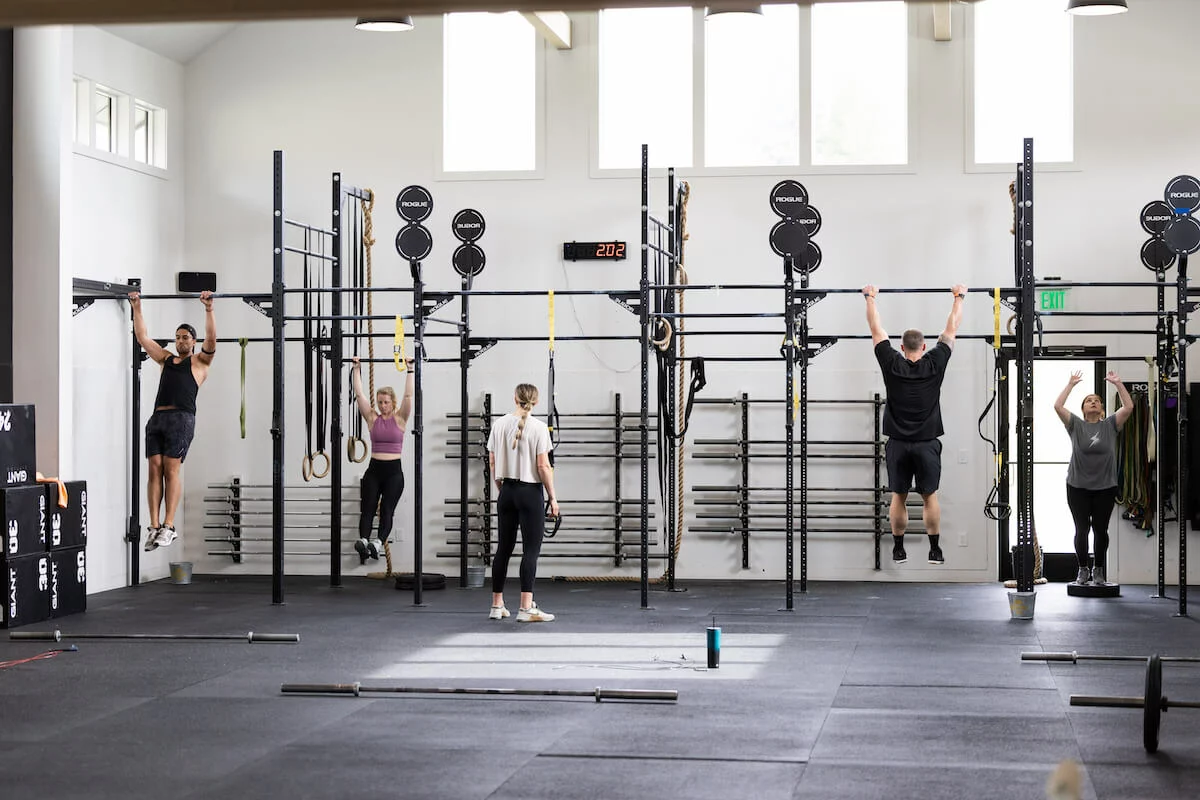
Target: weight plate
[(1183, 194), (1155, 217), (413, 242), (1183, 236), (787, 197), (810, 218), (809, 259), (788, 238), (468, 225), (414, 203), (469, 260), (1152, 706), (1156, 256)]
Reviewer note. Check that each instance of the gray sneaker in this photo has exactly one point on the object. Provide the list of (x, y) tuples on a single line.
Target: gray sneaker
[(151, 539), (1098, 577), (1085, 576)]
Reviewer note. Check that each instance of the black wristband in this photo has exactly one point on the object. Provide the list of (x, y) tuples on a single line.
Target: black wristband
[(208, 352), (962, 296)]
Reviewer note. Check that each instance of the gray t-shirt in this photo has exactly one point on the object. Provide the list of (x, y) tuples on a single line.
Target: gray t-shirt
[(1093, 453)]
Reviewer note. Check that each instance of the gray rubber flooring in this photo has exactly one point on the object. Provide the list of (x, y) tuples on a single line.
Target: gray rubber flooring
[(862, 691)]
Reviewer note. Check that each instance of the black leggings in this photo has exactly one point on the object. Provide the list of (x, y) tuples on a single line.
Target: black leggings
[(382, 485), (518, 504), (1091, 508)]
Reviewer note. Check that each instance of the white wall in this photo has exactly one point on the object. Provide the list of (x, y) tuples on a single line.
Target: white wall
[(369, 106), (125, 222)]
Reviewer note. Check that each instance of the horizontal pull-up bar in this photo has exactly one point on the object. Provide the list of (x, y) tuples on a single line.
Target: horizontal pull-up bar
[(769, 400), (307, 227)]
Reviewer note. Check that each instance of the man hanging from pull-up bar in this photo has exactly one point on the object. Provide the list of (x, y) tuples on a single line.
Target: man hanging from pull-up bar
[(912, 419), (173, 423)]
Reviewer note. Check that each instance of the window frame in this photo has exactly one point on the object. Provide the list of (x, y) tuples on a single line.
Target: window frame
[(591, 35), (438, 76), (84, 97), (970, 165)]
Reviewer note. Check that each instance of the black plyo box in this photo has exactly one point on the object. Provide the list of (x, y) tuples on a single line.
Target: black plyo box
[(67, 527), (18, 445), (25, 582), (68, 582), (23, 515)]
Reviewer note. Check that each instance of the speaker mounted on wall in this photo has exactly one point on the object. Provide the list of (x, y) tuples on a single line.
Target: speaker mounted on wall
[(195, 282)]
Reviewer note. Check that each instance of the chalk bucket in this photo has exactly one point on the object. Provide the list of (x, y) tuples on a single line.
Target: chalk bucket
[(475, 575), (181, 572), (1020, 604)]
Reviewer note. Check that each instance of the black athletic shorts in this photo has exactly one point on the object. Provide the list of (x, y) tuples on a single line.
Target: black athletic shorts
[(908, 460), (169, 433)]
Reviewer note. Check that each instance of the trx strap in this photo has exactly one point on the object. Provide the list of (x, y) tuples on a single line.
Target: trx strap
[(552, 523), (307, 463), (552, 419), (398, 346), (243, 342), (323, 399), (992, 507)]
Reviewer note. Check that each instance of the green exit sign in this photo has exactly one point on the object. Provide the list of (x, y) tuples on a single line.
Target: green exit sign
[(1052, 300)]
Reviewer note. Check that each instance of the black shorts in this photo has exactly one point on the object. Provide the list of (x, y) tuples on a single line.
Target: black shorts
[(169, 433), (908, 460)]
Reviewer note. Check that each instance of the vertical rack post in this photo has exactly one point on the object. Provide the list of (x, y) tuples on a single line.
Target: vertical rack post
[(277, 397)]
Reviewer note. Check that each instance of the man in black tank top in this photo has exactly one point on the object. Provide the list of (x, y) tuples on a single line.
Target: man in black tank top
[(912, 419), (173, 423)]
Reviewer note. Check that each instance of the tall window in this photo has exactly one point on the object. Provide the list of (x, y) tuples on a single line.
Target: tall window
[(860, 83), (105, 112), (752, 88), (1023, 82), (645, 82), (143, 133), (489, 115)]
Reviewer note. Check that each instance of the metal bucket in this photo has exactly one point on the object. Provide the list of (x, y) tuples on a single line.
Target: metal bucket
[(1020, 604), (475, 575), (181, 572)]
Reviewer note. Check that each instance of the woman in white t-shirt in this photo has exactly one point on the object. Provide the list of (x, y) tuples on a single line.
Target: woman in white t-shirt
[(519, 454)]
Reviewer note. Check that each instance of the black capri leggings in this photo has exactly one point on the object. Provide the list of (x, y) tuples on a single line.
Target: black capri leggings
[(1091, 508), (382, 485), (519, 504)]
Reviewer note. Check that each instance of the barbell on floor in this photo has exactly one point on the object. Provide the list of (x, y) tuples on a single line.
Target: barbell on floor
[(357, 689), (251, 637), (1074, 657)]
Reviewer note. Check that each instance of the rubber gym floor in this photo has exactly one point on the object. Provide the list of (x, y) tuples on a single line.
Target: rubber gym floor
[(863, 691)]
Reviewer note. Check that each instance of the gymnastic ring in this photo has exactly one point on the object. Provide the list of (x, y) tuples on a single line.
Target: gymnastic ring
[(665, 341), (306, 468), (1010, 326), (351, 445), (328, 463)]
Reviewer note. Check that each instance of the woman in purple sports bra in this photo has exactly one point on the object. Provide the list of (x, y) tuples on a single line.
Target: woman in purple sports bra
[(383, 482)]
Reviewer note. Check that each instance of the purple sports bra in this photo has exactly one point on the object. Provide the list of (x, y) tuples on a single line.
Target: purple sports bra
[(386, 435)]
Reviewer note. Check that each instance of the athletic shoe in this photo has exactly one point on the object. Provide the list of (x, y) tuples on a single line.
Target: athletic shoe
[(166, 535), (935, 556), (498, 612), (1098, 577), (898, 554), (375, 547), (1084, 576), (152, 539), (533, 614), (360, 547)]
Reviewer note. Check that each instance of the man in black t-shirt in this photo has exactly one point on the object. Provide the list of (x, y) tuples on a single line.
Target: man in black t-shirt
[(171, 427), (912, 419)]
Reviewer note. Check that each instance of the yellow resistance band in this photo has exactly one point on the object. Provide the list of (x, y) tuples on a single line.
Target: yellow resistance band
[(550, 316), (243, 342), (398, 346), (996, 317)]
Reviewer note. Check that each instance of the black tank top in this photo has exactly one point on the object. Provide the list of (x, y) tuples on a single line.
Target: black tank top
[(177, 387)]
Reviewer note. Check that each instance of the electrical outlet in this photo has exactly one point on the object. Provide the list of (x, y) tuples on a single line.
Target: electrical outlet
[(962, 540), (962, 456)]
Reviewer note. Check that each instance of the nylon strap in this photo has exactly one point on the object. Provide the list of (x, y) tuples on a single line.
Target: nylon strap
[(996, 318), (243, 342), (398, 346)]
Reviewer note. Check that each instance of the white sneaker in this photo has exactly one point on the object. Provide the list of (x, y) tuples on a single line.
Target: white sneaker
[(533, 614), (498, 612), (152, 535), (166, 535), (1098, 577)]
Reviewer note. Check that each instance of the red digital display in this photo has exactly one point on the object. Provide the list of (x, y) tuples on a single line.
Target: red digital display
[(593, 251)]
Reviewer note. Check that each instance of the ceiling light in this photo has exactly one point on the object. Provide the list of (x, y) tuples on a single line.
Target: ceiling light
[(1095, 8), (385, 24), (713, 11)]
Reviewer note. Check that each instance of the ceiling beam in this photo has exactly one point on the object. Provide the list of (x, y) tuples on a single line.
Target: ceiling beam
[(554, 26), (16, 13)]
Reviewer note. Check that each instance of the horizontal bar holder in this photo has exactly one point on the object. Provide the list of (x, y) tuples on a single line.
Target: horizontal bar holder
[(741, 505), (480, 522)]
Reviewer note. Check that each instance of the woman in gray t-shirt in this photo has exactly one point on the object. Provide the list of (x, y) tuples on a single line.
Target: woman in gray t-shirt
[(1092, 473)]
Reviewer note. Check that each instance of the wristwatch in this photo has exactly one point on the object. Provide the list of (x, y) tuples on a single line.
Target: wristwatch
[(961, 295)]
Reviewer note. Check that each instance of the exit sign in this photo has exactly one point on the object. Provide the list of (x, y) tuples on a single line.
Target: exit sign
[(1052, 300)]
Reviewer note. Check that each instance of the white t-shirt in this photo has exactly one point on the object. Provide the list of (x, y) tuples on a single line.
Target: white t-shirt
[(520, 462)]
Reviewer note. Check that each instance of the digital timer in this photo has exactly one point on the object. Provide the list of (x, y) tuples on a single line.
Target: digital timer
[(592, 251)]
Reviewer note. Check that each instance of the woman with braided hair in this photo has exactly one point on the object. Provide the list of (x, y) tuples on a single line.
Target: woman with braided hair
[(519, 455)]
